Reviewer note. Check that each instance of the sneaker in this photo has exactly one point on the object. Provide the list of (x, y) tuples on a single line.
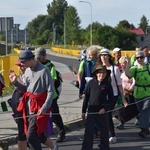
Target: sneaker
[(120, 126), (137, 122), (112, 140), (61, 138), (55, 147)]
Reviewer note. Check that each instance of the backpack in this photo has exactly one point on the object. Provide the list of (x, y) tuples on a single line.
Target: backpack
[(58, 82), (136, 70), (135, 73), (86, 73)]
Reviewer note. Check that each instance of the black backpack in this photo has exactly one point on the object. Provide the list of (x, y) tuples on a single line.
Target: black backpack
[(58, 82)]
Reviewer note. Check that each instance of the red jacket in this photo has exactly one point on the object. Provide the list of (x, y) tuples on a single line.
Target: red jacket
[(36, 103)]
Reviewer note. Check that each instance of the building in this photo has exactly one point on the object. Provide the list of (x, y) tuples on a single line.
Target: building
[(14, 34), (142, 38)]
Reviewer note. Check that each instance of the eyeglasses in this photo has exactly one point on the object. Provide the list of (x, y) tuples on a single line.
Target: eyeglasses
[(140, 57)]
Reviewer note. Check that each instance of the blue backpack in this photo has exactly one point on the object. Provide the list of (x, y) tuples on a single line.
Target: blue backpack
[(86, 73)]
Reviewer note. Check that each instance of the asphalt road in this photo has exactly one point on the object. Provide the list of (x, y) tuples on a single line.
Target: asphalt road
[(71, 62), (127, 139)]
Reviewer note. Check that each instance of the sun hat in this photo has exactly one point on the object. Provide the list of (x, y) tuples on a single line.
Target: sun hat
[(25, 55), (105, 51), (40, 51), (101, 67)]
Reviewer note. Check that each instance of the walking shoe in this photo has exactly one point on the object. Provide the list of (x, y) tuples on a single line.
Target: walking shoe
[(61, 136), (144, 132), (4, 145), (120, 126), (137, 122), (112, 140), (55, 147)]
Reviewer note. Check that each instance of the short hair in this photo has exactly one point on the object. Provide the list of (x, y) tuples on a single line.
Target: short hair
[(123, 59)]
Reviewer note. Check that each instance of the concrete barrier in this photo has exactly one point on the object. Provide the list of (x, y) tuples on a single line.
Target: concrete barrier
[(74, 52)]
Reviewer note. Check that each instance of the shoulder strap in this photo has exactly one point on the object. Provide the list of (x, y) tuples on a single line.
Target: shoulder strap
[(135, 72), (113, 68), (51, 65), (147, 68)]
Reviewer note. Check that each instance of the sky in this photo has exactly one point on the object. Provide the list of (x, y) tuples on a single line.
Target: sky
[(108, 12)]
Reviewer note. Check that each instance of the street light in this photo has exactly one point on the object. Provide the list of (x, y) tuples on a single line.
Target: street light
[(12, 40), (6, 35), (91, 19)]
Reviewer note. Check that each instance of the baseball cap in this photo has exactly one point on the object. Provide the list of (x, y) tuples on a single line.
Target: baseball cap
[(40, 51), (25, 55), (18, 63), (116, 49)]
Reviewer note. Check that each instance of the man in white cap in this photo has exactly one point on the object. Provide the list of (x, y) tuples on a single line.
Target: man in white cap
[(117, 56)]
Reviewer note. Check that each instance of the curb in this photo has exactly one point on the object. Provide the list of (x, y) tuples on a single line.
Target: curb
[(69, 127)]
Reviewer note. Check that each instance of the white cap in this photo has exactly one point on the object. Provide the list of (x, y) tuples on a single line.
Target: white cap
[(105, 51), (116, 49), (1, 71)]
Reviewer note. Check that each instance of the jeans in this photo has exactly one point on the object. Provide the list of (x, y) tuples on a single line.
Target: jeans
[(144, 109)]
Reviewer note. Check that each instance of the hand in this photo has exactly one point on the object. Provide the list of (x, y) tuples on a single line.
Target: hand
[(101, 111), (125, 103), (40, 112), (12, 76), (127, 58), (83, 116)]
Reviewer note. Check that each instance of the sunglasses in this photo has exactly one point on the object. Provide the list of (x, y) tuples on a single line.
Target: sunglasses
[(140, 57)]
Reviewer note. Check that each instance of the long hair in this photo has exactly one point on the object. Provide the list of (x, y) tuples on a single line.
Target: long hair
[(111, 60)]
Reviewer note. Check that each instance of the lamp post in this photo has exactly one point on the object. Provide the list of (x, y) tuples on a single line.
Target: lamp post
[(6, 35), (91, 20), (64, 33), (12, 40)]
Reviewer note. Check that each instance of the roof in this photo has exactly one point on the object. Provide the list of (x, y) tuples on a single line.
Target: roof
[(137, 31)]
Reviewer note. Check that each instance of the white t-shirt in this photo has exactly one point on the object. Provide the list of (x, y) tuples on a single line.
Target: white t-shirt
[(118, 78)]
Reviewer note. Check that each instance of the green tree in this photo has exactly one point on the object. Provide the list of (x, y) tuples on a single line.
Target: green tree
[(56, 12), (108, 37), (95, 27), (144, 23), (127, 39), (125, 24), (72, 22)]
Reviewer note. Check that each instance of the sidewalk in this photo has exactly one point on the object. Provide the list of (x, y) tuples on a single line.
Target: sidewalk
[(69, 104)]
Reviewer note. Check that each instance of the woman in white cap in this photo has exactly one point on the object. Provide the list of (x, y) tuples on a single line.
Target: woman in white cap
[(106, 59)]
